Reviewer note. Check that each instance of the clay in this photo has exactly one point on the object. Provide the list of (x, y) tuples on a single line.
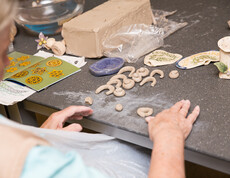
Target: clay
[(105, 87), (130, 69), (160, 57), (157, 71), (119, 107), (128, 84), (49, 43), (149, 79), (199, 59), (119, 76), (145, 111), (119, 92), (85, 34), (136, 77), (143, 71), (89, 100), (58, 48), (115, 81), (174, 74)]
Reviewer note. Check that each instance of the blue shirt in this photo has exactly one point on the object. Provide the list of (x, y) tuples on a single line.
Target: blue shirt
[(45, 161)]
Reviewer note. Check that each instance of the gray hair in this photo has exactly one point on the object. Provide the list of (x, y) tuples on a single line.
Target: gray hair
[(7, 12)]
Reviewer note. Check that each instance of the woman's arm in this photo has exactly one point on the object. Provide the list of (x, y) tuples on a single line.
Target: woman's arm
[(168, 130)]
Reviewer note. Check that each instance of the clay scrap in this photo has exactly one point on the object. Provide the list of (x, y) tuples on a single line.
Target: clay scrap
[(119, 107), (160, 57), (203, 58), (89, 100)]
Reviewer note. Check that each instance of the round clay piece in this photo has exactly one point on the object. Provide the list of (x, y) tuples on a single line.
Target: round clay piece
[(119, 107), (174, 74)]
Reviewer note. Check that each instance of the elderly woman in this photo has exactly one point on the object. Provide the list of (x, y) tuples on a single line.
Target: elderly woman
[(24, 154)]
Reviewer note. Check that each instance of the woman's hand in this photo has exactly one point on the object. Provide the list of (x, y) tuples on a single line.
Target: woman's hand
[(57, 119), (173, 121)]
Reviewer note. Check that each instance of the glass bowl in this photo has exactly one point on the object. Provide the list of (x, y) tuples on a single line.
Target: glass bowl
[(47, 16)]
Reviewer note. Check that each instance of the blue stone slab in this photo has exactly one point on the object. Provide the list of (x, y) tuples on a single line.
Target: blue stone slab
[(106, 66)]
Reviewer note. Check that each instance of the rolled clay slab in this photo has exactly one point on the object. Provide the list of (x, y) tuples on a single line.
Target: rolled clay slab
[(160, 57)]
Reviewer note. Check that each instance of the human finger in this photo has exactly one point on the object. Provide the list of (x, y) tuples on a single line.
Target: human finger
[(73, 128), (148, 119), (185, 107), (73, 111), (193, 116), (176, 107)]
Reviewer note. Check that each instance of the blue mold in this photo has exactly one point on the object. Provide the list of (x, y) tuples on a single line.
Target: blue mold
[(106, 66)]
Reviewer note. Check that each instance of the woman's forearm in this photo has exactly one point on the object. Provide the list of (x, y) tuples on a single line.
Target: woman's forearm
[(167, 159)]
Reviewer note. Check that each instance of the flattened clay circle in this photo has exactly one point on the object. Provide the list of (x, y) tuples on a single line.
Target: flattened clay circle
[(119, 107), (174, 74), (144, 112)]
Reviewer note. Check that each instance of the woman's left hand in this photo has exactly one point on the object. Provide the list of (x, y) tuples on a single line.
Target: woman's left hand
[(57, 119)]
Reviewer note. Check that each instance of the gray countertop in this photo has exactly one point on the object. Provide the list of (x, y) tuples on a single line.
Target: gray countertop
[(207, 23)]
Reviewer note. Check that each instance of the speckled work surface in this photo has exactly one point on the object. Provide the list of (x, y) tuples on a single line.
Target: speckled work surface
[(206, 25)]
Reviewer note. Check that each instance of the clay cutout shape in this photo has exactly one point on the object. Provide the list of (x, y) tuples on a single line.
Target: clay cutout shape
[(203, 58), (136, 77), (119, 76), (89, 100), (105, 87), (149, 79), (160, 57), (115, 81), (144, 111), (119, 92), (127, 69), (128, 84), (174, 74), (143, 71), (119, 107), (157, 71)]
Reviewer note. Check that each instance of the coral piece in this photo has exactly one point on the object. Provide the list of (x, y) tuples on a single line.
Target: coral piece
[(174, 74), (89, 100), (160, 57), (149, 79), (119, 107), (105, 87), (199, 59), (157, 71), (143, 71), (130, 69), (106, 66), (144, 111)]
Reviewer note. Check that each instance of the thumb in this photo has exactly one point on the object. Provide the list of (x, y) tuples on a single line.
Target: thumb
[(73, 128), (148, 119)]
